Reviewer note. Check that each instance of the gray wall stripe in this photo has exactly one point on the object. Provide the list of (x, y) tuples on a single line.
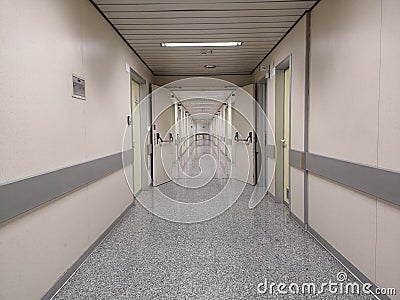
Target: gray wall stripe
[(270, 149), (380, 183), (65, 277), (23, 195), (344, 261), (296, 159)]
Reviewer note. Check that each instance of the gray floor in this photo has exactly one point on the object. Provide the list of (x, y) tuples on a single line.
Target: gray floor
[(146, 257)]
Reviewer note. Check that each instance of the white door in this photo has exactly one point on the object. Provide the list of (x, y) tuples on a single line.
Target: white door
[(163, 145), (243, 123)]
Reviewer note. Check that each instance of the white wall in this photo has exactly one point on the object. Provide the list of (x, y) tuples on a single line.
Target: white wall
[(344, 80), (344, 95), (354, 108), (202, 126), (43, 43), (353, 116), (388, 216)]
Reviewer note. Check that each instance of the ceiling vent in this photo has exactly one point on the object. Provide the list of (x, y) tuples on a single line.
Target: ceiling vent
[(206, 52)]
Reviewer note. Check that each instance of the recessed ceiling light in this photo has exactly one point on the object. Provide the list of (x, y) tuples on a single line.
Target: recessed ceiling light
[(209, 44), (210, 66)]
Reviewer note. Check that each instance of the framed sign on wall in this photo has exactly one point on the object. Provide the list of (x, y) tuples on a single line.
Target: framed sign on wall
[(78, 87)]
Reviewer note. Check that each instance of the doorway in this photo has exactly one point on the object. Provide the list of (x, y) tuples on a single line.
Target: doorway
[(261, 161), (282, 130), (138, 130), (243, 121), (164, 143)]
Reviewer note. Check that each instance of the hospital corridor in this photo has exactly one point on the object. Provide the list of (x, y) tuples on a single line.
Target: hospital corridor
[(202, 149)]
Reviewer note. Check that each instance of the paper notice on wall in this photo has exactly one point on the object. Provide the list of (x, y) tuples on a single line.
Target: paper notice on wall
[(78, 88)]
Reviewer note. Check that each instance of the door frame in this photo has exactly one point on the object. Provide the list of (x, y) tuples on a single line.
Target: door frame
[(262, 100), (134, 76), (283, 65), (150, 143)]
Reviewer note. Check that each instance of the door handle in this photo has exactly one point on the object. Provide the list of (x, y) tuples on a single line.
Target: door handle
[(249, 138), (283, 141), (159, 138)]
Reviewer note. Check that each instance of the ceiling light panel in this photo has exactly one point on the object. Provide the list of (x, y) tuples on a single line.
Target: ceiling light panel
[(202, 44)]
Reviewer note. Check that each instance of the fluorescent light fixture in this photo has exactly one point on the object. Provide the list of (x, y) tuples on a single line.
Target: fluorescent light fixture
[(209, 44)]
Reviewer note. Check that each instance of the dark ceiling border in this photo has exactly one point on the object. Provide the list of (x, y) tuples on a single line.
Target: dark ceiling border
[(120, 35), (291, 28)]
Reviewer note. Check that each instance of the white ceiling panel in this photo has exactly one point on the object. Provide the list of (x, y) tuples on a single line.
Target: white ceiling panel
[(258, 24)]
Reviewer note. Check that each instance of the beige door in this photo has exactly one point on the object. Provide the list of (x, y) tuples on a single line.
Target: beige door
[(282, 133), (286, 134), (137, 171)]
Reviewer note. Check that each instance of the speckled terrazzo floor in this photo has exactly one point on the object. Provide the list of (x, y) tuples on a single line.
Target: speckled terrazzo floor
[(145, 257), (192, 168)]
